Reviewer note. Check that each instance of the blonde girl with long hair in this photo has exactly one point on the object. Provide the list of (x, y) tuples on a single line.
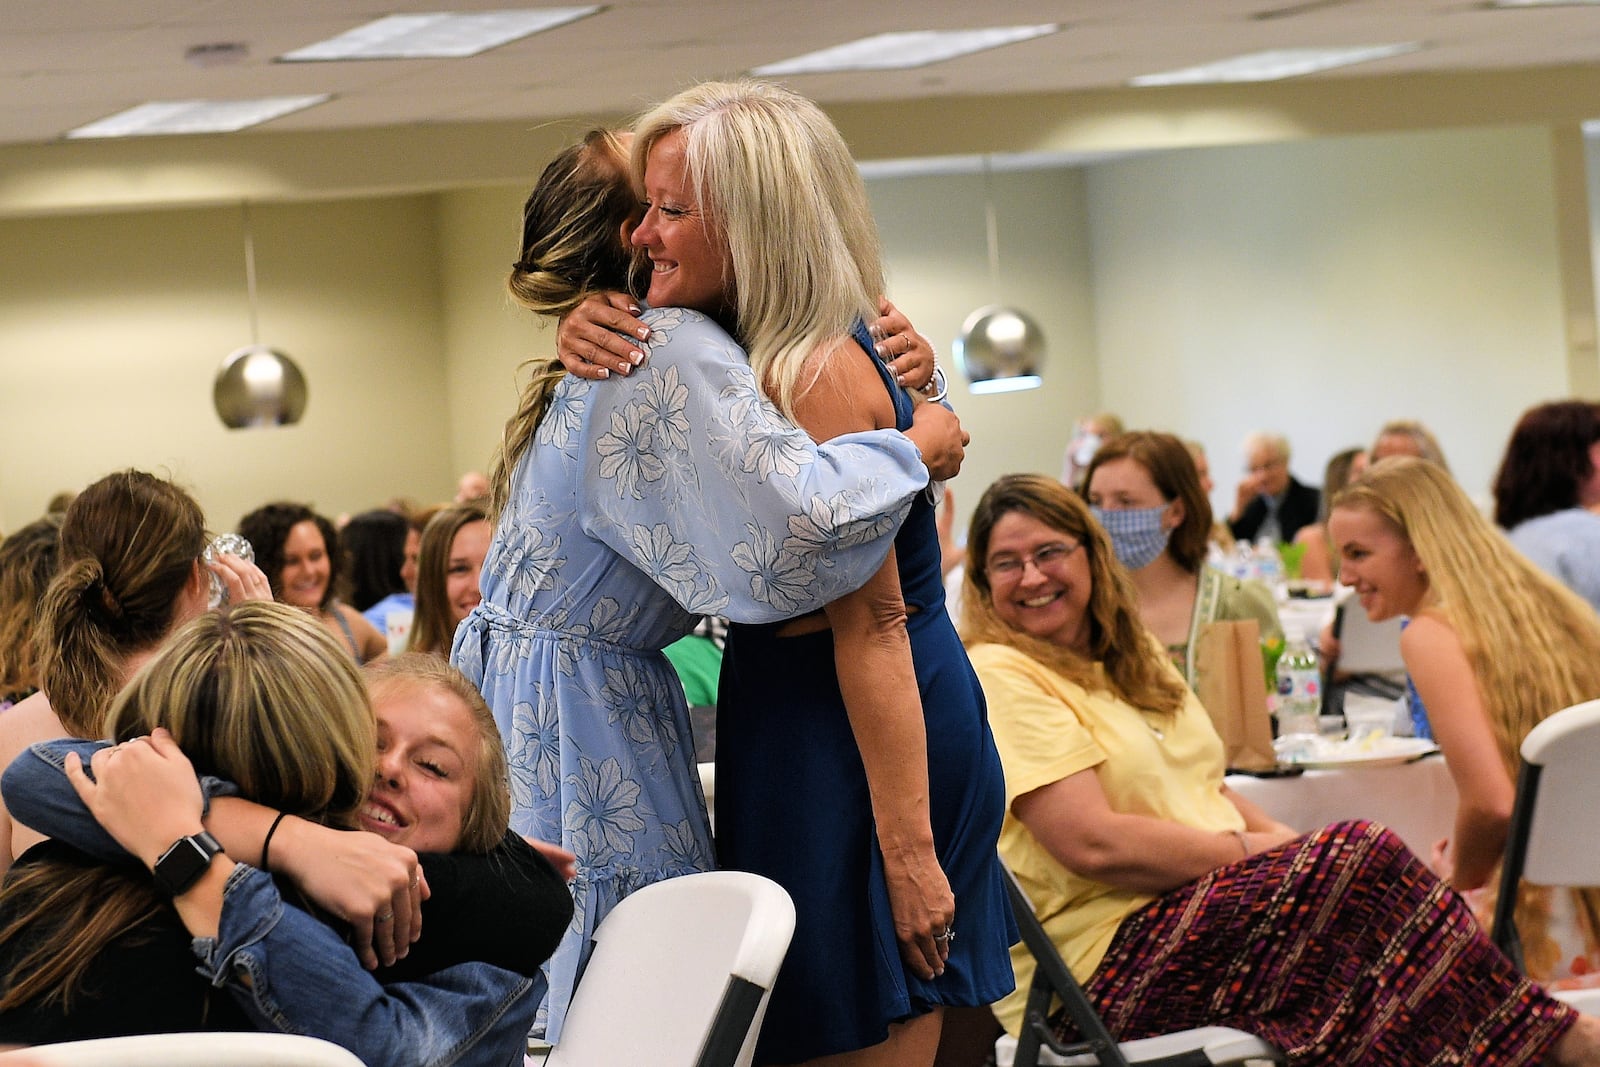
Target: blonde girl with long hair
[(1494, 646)]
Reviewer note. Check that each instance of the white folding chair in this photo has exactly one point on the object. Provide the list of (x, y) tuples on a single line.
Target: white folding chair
[(189, 1050), (1551, 840), (1199, 1047), (680, 975)]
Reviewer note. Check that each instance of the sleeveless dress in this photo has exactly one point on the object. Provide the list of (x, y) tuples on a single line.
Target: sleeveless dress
[(792, 804), (643, 502)]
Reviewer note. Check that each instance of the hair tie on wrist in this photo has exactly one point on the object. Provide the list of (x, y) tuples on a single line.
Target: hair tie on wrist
[(1237, 834), (266, 842)]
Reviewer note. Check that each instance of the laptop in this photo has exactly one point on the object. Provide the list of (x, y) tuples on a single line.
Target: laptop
[(1366, 647)]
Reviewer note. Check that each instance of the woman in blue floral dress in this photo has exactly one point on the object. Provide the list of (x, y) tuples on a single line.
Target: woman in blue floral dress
[(626, 510)]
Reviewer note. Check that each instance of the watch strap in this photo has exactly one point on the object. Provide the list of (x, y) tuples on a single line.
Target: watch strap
[(185, 862)]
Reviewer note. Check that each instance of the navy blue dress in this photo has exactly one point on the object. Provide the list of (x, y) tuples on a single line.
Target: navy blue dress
[(792, 804)]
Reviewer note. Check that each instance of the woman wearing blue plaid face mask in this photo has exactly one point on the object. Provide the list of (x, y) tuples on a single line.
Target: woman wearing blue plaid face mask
[(1144, 489)]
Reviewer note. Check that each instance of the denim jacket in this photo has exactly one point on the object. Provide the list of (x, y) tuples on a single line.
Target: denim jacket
[(293, 973)]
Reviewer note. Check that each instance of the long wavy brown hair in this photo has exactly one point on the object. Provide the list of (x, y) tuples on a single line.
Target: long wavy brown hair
[(572, 246), (1134, 665), (129, 544)]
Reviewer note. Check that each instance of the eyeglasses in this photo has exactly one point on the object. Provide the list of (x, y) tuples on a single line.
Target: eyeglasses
[(1012, 567)]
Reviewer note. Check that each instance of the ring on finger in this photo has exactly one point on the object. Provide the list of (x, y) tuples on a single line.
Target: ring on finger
[(948, 936), (386, 917)]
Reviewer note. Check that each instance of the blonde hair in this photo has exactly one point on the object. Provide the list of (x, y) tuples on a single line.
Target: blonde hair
[(776, 180), (1130, 662), (259, 694), (572, 246), (1534, 645), (130, 543), (488, 813), (431, 629)]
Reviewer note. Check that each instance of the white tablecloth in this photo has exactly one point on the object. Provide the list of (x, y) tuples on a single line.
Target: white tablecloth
[(1415, 800)]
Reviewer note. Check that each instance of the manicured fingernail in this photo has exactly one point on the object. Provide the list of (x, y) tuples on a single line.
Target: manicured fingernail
[(644, 333), (602, 372), (637, 357), (624, 370), (875, 332), (633, 309), (882, 348)]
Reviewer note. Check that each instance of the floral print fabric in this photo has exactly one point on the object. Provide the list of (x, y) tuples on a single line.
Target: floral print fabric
[(643, 503)]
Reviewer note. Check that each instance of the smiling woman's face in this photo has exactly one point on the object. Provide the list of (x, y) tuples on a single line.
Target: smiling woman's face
[(1378, 562), (306, 568), (1049, 597), (689, 265), (426, 767)]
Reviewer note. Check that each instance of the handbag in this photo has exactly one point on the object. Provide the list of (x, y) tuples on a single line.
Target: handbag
[(1231, 683)]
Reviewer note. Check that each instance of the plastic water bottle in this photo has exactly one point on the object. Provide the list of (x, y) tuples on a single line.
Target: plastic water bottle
[(231, 544), (1299, 688), (1268, 564)]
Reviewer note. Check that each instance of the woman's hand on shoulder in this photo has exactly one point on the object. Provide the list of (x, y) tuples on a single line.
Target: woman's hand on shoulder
[(937, 433), (601, 336), (908, 355), (143, 792), (374, 886)]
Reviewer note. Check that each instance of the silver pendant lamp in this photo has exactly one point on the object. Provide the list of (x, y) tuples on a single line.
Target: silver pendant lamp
[(1001, 349), (257, 385)]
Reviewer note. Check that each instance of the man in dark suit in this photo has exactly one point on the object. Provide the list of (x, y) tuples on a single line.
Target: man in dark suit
[(1271, 502)]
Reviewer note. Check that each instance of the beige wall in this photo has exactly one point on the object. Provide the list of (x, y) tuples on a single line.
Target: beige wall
[(1338, 282), (936, 249), (1323, 287), (486, 336), (112, 327)]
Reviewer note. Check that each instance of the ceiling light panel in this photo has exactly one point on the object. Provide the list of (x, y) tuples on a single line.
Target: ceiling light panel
[(195, 116), (437, 36), (904, 50), (1272, 65)]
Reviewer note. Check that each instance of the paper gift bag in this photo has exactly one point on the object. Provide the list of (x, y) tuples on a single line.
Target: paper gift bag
[(1232, 684)]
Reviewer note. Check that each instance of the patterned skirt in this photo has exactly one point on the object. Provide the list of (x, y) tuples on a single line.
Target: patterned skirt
[(1338, 948)]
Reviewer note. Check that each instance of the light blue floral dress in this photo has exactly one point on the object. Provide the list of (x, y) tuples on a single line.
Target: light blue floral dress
[(643, 503)]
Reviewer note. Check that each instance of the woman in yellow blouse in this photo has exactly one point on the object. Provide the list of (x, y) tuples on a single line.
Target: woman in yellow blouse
[(1173, 900)]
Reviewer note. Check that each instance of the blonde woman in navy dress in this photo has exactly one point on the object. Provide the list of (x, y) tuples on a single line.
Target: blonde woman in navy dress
[(855, 765)]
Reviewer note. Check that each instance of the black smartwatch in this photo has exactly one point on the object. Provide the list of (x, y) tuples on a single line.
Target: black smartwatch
[(181, 866)]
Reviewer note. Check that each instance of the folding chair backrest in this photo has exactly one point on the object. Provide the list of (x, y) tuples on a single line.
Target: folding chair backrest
[(1052, 981), (680, 974), (1551, 839), (189, 1050)]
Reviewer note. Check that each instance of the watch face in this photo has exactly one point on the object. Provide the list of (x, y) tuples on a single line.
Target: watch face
[(181, 866)]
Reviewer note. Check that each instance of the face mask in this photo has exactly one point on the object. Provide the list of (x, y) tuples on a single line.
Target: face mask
[(1137, 536), (1084, 448)]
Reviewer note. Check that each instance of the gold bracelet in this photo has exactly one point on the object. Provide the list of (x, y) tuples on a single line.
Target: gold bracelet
[(1243, 843)]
